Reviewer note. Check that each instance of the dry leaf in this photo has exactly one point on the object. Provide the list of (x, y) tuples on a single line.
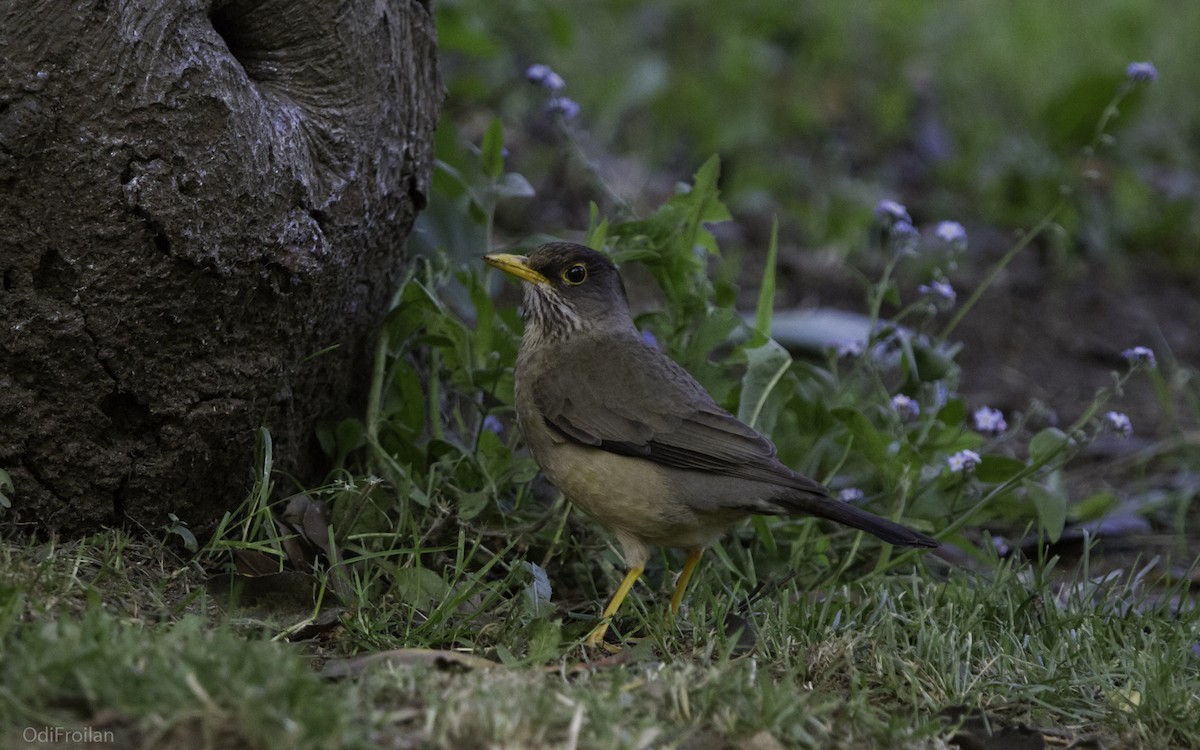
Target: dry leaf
[(337, 669)]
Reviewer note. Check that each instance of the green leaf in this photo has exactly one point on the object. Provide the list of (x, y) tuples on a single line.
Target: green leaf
[(953, 413), (705, 205), (491, 152), (351, 435), (420, 587), (891, 293), (471, 504), (404, 402), (1047, 444), (765, 367), (543, 637), (522, 470), (766, 291), (1094, 506), (514, 185), (1051, 506), (868, 440), (998, 469)]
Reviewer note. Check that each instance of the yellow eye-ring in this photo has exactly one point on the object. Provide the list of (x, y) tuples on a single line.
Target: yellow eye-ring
[(575, 275)]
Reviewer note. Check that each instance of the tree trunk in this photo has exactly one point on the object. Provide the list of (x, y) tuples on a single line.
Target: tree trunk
[(203, 208)]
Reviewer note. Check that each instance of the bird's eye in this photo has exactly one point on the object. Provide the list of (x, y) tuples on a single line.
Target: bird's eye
[(575, 274)]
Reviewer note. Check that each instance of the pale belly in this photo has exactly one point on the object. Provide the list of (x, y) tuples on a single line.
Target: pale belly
[(628, 496)]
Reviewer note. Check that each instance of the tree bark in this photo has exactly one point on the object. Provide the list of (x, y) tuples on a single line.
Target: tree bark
[(197, 201)]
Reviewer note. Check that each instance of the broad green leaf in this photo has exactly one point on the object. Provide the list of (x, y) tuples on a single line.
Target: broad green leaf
[(543, 638), (1051, 506), (471, 504), (351, 435), (420, 587), (765, 367), (867, 439), (1094, 506), (953, 413), (998, 469), (1047, 444), (514, 185), (404, 403)]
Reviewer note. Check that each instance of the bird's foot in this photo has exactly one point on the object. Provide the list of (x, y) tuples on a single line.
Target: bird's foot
[(595, 639)]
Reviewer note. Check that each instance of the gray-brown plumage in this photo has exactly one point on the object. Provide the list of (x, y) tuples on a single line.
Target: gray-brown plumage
[(630, 437)]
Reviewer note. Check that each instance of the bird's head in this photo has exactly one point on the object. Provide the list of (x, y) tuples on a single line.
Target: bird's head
[(569, 288)]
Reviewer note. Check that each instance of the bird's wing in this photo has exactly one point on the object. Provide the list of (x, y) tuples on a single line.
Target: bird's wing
[(655, 410)]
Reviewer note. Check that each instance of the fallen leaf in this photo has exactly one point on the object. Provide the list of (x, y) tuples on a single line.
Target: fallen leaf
[(338, 669), (252, 563)]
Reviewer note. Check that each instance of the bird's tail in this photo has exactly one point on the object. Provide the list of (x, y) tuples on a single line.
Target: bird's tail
[(813, 504)]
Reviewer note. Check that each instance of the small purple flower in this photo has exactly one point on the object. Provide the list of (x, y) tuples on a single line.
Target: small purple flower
[(649, 337), (906, 408), (939, 292), (1140, 355), (851, 495), (963, 462), (1115, 421), (989, 421), (543, 76), (952, 233), (904, 237), (848, 349), (568, 109), (1141, 72), (889, 212), (492, 423)]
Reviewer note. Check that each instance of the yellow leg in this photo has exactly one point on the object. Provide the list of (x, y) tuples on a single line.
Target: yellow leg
[(596, 637), (685, 575)]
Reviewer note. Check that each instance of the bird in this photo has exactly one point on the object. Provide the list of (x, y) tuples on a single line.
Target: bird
[(630, 438)]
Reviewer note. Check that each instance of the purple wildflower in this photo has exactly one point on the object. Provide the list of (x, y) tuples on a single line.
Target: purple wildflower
[(1141, 72), (904, 237), (963, 462), (905, 407), (851, 495), (1140, 355), (848, 349), (889, 212), (566, 108), (1115, 421), (543, 76), (989, 421), (952, 233), (939, 292)]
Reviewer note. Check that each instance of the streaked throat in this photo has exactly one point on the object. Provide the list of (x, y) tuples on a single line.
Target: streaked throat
[(548, 315)]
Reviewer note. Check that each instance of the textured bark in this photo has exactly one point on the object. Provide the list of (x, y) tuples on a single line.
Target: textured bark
[(194, 198)]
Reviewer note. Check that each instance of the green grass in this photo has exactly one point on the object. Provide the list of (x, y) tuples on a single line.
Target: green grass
[(872, 663)]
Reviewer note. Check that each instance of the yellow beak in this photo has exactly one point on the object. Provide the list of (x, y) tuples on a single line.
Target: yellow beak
[(515, 265)]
